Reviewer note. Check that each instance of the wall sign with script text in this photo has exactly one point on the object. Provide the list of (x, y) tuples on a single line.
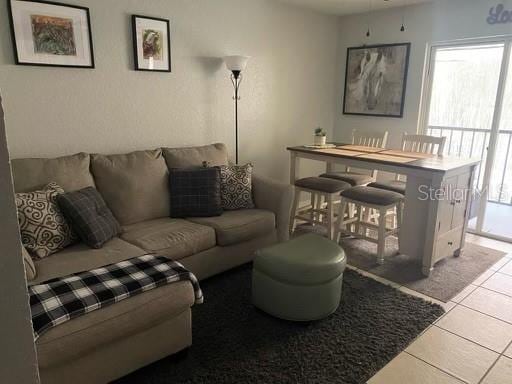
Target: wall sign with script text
[(499, 15)]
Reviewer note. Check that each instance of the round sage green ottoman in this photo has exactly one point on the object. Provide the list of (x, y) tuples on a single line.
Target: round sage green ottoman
[(299, 279)]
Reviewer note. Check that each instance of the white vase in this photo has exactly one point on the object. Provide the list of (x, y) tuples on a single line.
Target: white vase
[(320, 140)]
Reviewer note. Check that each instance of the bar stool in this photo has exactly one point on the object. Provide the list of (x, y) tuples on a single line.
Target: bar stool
[(318, 188), (385, 204), (367, 139), (417, 144)]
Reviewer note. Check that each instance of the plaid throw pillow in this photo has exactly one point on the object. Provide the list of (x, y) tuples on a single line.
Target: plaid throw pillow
[(236, 186), (195, 192), (43, 228), (89, 216)]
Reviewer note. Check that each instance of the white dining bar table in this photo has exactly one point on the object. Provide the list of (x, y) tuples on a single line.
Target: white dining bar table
[(437, 199)]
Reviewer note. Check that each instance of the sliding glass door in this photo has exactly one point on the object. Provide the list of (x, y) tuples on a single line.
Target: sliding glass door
[(469, 100)]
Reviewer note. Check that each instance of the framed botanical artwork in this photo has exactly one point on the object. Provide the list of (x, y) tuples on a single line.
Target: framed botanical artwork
[(51, 34), (151, 43), (375, 80)]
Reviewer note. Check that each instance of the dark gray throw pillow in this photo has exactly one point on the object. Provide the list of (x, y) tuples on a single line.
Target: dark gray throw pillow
[(195, 192), (89, 216)]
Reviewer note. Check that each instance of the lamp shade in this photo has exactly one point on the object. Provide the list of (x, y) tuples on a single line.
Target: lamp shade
[(236, 63)]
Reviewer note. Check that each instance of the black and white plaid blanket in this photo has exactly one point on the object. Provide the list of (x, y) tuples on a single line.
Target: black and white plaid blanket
[(62, 299)]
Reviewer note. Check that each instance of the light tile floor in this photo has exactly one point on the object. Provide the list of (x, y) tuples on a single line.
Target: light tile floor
[(472, 342)]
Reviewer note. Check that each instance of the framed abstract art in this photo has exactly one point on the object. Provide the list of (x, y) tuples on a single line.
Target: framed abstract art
[(51, 34), (151, 44), (375, 80)]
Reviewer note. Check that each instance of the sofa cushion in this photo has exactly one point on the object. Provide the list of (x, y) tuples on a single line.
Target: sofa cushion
[(134, 185), (42, 225), (94, 330), (236, 226), (214, 155), (79, 258), (89, 216), (174, 238), (195, 192), (70, 172)]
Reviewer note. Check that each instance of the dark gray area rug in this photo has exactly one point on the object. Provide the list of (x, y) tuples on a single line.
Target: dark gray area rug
[(449, 277), (233, 342)]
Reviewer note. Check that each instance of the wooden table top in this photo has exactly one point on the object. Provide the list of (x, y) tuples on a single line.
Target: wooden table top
[(390, 157)]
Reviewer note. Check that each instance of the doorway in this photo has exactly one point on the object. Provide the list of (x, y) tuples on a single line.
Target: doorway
[(468, 99)]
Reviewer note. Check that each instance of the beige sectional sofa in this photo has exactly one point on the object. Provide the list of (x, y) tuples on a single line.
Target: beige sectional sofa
[(113, 341)]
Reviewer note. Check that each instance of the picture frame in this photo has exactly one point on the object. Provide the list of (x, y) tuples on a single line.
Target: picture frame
[(376, 80), (151, 43), (51, 34)]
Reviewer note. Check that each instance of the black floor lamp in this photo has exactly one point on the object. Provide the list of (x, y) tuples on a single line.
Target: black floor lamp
[(236, 64)]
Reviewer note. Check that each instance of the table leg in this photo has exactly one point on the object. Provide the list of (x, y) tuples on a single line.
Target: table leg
[(469, 201), (419, 225), (429, 247), (294, 167)]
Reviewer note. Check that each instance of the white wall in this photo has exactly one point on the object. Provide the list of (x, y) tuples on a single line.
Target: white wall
[(442, 20), (17, 356), (287, 91)]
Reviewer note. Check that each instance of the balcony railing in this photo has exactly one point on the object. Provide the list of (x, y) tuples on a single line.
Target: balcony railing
[(473, 142)]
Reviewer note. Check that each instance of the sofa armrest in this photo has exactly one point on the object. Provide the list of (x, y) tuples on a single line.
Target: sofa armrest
[(276, 197)]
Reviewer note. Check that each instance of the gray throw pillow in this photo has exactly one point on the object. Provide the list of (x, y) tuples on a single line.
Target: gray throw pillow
[(43, 228), (89, 216), (236, 186)]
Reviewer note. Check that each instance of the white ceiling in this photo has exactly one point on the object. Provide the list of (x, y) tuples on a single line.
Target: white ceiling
[(346, 7)]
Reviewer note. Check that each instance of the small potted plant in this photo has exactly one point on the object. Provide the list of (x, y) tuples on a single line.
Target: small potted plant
[(319, 136)]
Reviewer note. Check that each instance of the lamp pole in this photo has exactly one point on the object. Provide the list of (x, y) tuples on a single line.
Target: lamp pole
[(236, 79), (236, 64)]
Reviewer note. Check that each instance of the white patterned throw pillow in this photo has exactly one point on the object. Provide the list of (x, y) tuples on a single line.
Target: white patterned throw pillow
[(236, 186), (43, 228)]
